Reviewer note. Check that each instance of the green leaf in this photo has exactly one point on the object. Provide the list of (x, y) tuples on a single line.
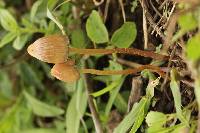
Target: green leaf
[(156, 119), (113, 95), (78, 39), (42, 109), (125, 35), (136, 116), (106, 89), (20, 41), (30, 76), (177, 127), (114, 66), (131, 117), (5, 85), (8, 22), (193, 48), (138, 121), (187, 22), (120, 104), (7, 38), (56, 21), (96, 29), (76, 109), (174, 85), (34, 9)]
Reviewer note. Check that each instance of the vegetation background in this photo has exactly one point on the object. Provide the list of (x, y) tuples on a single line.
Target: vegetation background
[(32, 101)]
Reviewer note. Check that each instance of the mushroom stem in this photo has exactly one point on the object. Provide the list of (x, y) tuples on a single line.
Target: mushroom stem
[(124, 72), (131, 51)]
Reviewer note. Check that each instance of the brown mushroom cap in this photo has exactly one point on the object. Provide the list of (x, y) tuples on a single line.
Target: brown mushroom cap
[(65, 72), (51, 49)]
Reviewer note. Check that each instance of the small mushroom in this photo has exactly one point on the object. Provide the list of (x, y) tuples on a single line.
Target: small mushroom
[(65, 71), (55, 49), (51, 49)]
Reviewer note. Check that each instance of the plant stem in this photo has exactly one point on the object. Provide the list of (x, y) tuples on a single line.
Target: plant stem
[(94, 113), (131, 51), (127, 71)]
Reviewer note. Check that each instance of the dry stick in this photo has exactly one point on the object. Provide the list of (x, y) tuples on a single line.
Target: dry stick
[(142, 2), (95, 116), (128, 63), (125, 72), (106, 10), (155, 17), (131, 51), (123, 11), (157, 12)]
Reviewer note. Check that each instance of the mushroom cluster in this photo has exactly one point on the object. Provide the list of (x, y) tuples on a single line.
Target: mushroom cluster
[(55, 49)]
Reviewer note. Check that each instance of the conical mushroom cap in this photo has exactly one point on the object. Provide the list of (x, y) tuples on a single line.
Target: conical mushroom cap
[(65, 72), (51, 49)]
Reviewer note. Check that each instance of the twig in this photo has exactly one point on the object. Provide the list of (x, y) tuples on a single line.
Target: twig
[(144, 25), (157, 12), (128, 63), (106, 10), (122, 8), (95, 116)]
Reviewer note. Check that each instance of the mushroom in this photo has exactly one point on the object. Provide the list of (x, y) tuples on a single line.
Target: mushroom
[(55, 49)]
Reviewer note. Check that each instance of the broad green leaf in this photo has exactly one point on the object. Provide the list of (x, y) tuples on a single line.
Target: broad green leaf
[(125, 35), (28, 24), (20, 41), (187, 21), (131, 117), (113, 95), (138, 121), (42, 109), (137, 114), (78, 39), (76, 109), (96, 29), (156, 119), (10, 36), (174, 85), (34, 9), (177, 127), (41, 130), (193, 48), (8, 22)]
